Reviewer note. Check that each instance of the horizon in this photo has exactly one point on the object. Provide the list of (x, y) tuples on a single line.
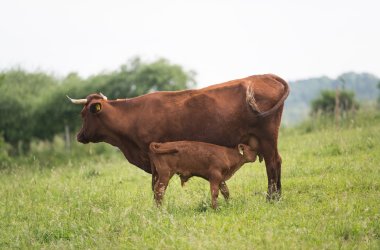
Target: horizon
[(60, 76)]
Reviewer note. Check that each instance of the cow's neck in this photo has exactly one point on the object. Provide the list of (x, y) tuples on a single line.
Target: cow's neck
[(120, 131), (119, 124)]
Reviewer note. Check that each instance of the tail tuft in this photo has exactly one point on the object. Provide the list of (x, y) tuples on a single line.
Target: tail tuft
[(250, 99)]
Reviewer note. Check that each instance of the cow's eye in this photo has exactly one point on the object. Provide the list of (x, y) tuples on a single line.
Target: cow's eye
[(95, 108)]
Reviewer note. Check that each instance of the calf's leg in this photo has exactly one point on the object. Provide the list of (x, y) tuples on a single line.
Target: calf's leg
[(160, 187), (214, 187), (224, 190)]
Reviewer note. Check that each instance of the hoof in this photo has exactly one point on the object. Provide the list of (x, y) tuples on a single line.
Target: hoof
[(273, 197)]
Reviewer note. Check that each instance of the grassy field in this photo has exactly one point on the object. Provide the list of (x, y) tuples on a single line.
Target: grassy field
[(331, 199)]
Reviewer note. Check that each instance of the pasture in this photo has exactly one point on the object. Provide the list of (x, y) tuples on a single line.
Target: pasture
[(331, 193)]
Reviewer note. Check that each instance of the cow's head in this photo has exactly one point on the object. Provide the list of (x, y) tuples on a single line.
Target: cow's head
[(93, 113), (247, 152)]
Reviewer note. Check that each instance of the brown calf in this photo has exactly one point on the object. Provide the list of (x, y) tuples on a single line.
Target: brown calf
[(189, 158)]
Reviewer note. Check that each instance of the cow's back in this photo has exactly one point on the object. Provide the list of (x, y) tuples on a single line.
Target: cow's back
[(196, 115)]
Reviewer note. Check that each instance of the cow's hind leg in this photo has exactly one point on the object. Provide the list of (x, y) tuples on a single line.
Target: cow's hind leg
[(273, 167), (224, 190)]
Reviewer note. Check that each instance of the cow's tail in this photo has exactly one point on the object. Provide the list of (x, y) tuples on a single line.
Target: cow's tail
[(250, 98), (161, 148)]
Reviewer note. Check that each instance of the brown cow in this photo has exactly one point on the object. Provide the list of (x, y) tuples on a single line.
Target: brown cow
[(225, 114), (188, 158)]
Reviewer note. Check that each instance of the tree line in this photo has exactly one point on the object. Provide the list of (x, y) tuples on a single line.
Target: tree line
[(33, 105)]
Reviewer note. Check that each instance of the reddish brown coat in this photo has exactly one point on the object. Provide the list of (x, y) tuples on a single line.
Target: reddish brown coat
[(225, 114), (188, 158)]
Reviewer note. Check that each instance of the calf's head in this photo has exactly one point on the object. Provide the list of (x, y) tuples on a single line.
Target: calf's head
[(248, 154), (93, 129)]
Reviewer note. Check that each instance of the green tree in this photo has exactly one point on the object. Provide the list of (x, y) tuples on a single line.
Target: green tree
[(137, 78), (4, 157), (20, 93), (325, 103)]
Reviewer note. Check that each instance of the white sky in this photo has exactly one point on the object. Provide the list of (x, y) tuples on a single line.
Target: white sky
[(221, 40)]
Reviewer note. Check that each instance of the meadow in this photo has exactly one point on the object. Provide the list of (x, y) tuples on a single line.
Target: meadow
[(330, 200)]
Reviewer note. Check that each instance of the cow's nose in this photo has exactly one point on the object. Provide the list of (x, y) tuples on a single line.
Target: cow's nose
[(82, 138)]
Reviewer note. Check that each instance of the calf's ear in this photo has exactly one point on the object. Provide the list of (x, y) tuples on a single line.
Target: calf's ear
[(241, 149)]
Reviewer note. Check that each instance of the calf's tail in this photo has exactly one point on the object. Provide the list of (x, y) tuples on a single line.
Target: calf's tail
[(162, 148)]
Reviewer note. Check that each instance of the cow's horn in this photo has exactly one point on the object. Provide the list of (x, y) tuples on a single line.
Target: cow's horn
[(104, 97), (77, 101)]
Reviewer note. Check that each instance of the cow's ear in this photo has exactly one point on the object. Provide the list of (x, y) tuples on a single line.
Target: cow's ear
[(95, 107)]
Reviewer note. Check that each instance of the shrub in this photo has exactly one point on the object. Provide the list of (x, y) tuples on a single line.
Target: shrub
[(325, 103), (4, 157)]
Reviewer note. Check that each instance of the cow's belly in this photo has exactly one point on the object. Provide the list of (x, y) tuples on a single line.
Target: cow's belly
[(208, 127)]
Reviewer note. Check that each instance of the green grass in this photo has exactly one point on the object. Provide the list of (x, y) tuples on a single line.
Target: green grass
[(331, 199)]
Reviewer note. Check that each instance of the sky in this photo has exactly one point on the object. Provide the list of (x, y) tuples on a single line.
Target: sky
[(220, 40)]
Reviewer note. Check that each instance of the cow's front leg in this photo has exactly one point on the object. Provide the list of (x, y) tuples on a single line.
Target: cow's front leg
[(224, 190), (154, 173), (154, 179)]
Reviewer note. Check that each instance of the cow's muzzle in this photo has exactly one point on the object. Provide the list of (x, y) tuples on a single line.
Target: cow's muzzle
[(82, 138)]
